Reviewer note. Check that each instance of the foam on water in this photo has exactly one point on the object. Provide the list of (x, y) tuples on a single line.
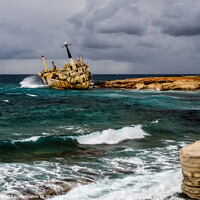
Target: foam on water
[(31, 139), (31, 95), (49, 126), (111, 136), (17, 177), (155, 121), (31, 82), (163, 185), (149, 173), (7, 101)]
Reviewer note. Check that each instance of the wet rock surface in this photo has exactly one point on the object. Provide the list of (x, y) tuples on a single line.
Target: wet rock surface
[(190, 163), (83, 153), (49, 190), (154, 83)]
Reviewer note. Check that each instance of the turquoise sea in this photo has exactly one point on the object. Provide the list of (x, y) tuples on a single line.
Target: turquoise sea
[(94, 144)]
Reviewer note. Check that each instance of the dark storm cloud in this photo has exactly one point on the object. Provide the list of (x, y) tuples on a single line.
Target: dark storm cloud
[(123, 28), (140, 34), (182, 31), (181, 18), (96, 28), (98, 44), (125, 19)]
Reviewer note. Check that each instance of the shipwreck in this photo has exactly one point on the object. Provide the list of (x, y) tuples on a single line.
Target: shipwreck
[(73, 75)]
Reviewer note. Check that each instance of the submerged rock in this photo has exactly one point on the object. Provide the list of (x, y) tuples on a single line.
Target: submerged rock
[(154, 83), (83, 153), (50, 189), (125, 169), (190, 163)]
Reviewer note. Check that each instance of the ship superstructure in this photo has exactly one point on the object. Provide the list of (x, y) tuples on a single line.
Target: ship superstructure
[(73, 75)]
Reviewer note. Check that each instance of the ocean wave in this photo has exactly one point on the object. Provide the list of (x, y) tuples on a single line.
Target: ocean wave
[(163, 185), (155, 121), (31, 95), (26, 180), (60, 144), (31, 139), (111, 136), (31, 82), (35, 147), (45, 138)]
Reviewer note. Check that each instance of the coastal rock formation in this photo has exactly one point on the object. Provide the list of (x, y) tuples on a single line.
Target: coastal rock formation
[(155, 83), (49, 190), (190, 163)]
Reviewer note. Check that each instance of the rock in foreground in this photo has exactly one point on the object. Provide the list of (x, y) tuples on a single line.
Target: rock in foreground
[(190, 163), (155, 83)]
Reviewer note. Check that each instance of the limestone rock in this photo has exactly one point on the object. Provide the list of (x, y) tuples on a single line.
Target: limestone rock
[(154, 83), (190, 163)]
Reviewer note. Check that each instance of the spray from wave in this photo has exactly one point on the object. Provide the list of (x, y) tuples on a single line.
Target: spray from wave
[(109, 136), (112, 136), (31, 139), (157, 186), (31, 82)]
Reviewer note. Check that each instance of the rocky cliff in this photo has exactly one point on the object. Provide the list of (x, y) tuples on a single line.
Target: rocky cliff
[(190, 163), (155, 83)]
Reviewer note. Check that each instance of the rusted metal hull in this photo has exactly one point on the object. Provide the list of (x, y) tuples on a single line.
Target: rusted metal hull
[(74, 75), (64, 85)]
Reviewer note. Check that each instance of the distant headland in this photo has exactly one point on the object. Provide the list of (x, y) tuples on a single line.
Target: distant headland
[(154, 83)]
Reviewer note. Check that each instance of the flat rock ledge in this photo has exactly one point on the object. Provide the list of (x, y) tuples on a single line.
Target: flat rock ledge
[(190, 163), (154, 83)]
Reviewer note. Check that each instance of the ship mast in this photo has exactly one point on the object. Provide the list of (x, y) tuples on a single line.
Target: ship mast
[(71, 60), (45, 65)]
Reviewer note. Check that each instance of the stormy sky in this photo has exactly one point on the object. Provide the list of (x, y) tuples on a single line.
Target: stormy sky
[(114, 36)]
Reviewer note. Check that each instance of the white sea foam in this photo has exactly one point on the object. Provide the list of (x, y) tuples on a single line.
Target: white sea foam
[(23, 176), (154, 122), (76, 129), (126, 164), (31, 139), (31, 82), (7, 101), (148, 186), (111, 136), (70, 127), (31, 95), (145, 181), (46, 134)]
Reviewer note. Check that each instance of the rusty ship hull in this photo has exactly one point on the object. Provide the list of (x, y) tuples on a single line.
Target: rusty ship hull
[(64, 84), (74, 75)]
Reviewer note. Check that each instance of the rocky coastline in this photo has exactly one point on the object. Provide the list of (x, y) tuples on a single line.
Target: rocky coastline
[(153, 83), (190, 163)]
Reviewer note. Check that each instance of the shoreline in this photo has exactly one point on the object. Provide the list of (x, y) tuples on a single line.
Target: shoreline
[(185, 83)]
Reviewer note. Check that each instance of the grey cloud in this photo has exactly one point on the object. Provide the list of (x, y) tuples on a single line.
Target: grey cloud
[(99, 44), (141, 35), (180, 18), (127, 19), (181, 30), (123, 28)]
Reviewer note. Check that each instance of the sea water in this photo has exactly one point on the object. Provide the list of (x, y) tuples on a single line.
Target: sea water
[(93, 144)]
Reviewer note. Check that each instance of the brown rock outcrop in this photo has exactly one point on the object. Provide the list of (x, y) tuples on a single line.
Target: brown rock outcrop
[(190, 163), (155, 83)]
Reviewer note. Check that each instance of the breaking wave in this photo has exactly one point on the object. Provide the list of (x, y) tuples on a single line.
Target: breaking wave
[(163, 185), (31, 82), (31, 139), (111, 136), (31, 95), (68, 142)]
